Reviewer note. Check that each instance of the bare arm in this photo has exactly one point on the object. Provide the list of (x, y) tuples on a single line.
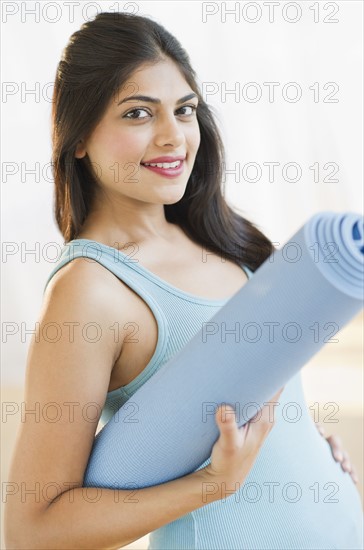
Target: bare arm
[(115, 518), (67, 381)]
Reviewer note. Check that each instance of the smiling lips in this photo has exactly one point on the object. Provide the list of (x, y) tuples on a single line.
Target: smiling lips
[(166, 166), (172, 172)]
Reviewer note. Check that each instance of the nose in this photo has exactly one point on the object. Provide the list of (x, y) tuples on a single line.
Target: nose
[(168, 131)]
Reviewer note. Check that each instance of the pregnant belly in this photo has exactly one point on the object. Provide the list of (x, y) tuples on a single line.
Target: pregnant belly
[(295, 497)]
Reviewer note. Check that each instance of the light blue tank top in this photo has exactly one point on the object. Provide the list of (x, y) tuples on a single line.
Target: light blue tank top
[(295, 497)]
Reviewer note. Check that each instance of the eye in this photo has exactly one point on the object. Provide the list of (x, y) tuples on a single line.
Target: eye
[(193, 107), (135, 111), (132, 115)]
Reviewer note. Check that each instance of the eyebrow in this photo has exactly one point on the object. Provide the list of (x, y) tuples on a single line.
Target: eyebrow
[(154, 99)]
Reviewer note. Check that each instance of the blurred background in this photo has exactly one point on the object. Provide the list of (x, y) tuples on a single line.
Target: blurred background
[(285, 85)]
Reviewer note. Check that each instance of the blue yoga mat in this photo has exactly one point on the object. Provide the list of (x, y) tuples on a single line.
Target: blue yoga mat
[(297, 301)]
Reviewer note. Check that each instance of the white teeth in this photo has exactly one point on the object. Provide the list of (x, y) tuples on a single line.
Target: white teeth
[(164, 164)]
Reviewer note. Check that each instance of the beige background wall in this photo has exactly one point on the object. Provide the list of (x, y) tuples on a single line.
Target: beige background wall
[(321, 53)]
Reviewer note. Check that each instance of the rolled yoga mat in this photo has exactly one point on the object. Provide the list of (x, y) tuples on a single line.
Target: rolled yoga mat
[(297, 301)]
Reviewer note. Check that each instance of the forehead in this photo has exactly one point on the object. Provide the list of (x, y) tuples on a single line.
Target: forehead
[(163, 80)]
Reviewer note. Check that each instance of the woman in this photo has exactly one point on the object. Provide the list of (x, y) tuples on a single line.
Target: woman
[(143, 175)]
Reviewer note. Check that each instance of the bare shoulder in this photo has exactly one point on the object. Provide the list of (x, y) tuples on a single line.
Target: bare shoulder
[(86, 283), (89, 278), (69, 364)]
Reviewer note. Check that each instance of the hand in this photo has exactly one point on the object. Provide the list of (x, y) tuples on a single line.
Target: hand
[(339, 454), (236, 449)]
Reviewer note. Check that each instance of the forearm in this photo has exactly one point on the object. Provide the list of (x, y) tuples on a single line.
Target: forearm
[(112, 518)]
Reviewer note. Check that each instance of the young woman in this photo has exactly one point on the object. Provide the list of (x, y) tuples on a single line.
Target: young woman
[(138, 168)]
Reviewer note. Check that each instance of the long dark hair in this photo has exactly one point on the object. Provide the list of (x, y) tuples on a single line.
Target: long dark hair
[(97, 61)]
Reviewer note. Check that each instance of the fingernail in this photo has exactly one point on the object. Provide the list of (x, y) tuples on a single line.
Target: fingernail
[(338, 455)]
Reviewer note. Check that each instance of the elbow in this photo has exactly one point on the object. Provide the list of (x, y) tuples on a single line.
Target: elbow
[(16, 539), (13, 538), (12, 528), (30, 540), (21, 532)]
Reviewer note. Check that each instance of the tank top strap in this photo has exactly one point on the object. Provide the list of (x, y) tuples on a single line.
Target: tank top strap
[(111, 258), (179, 315), (128, 269)]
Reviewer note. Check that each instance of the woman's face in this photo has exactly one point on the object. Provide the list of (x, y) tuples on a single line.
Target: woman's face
[(135, 131)]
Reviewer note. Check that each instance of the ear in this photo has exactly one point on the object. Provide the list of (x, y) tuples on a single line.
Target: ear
[(80, 150)]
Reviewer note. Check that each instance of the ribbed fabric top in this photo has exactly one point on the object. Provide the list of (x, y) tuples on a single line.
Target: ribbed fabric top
[(179, 314), (276, 507)]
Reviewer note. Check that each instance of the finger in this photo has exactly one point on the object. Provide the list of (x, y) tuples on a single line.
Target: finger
[(346, 466), (268, 414), (276, 396), (243, 432), (346, 463), (225, 414), (342, 456), (336, 447), (354, 474), (225, 417), (226, 421), (263, 421), (335, 440)]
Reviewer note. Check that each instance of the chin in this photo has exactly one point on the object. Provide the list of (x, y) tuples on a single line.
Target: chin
[(173, 195), (173, 198)]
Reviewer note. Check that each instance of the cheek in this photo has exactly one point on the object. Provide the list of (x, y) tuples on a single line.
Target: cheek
[(194, 138), (112, 145)]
